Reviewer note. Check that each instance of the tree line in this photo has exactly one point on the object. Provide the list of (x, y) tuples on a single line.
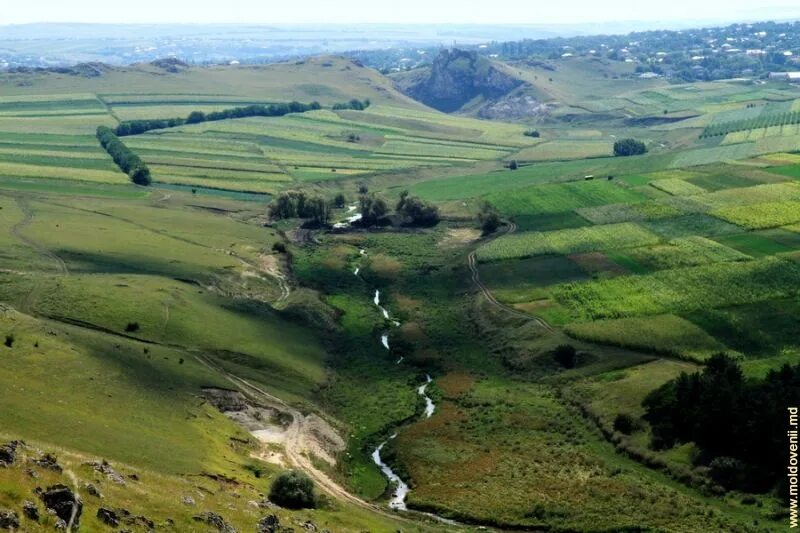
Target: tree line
[(124, 157), (135, 127), (737, 424), (354, 104)]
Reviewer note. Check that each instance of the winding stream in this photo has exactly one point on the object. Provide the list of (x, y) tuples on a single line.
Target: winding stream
[(398, 499)]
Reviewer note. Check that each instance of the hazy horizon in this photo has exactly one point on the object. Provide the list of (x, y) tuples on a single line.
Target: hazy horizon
[(416, 12)]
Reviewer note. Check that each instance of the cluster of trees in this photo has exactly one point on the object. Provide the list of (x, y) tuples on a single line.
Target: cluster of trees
[(134, 127), (626, 147), (532, 133), (373, 208), (298, 204), (126, 160), (417, 211), (738, 424), (354, 104)]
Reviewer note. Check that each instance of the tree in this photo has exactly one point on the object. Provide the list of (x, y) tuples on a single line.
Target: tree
[(488, 218), (418, 211), (196, 117), (513, 165), (362, 188), (294, 490), (373, 208), (627, 147), (566, 355), (317, 209), (339, 200), (140, 175)]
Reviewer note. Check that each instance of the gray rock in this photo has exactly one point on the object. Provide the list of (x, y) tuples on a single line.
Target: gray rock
[(48, 461), (187, 500), (8, 452), (63, 502), (215, 520), (92, 490), (30, 510), (8, 519), (108, 517)]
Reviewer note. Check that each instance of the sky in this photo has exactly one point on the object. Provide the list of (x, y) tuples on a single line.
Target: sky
[(403, 12)]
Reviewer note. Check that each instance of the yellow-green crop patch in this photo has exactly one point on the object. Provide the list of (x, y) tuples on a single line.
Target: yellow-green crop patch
[(687, 251), (682, 289), (567, 241), (762, 215), (667, 334)]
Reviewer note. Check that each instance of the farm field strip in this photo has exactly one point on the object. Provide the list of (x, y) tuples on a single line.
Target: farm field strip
[(567, 241)]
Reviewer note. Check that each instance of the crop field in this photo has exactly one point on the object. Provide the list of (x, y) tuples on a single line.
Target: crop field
[(566, 149), (567, 241), (761, 215), (683, 289), (665, 334), (562, 197)]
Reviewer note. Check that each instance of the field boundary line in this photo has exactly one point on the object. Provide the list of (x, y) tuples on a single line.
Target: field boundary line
[(472, 263)]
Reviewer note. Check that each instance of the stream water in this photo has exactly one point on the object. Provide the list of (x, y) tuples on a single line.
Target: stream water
[(398, 499)]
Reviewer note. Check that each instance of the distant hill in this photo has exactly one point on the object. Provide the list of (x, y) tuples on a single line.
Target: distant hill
[(456, 78), (326, 79)]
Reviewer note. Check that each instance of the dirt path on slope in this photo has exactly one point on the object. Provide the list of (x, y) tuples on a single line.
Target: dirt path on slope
[(28, 303), (472, 262), (298, 440)]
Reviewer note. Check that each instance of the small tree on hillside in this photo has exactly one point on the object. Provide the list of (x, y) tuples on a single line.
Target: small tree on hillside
[(339, 200), (293, 490)]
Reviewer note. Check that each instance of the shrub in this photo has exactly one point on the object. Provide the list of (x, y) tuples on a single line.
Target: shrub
[(489, 219), (339, 200), (566, 355), (132, 327), (9, 341), (626, 147), (624, 423), (196, 117), (513, 165), (279, 247), (532, 133), (294, 490)]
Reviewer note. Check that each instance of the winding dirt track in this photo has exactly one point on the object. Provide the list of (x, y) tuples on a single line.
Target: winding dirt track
[(297, 438), (29, 302), (472, 262)]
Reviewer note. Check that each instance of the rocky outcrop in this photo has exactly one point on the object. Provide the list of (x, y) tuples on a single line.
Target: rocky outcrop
[(457, 77), (8, 452), (515, 107), (170, 64), (63, 502)]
